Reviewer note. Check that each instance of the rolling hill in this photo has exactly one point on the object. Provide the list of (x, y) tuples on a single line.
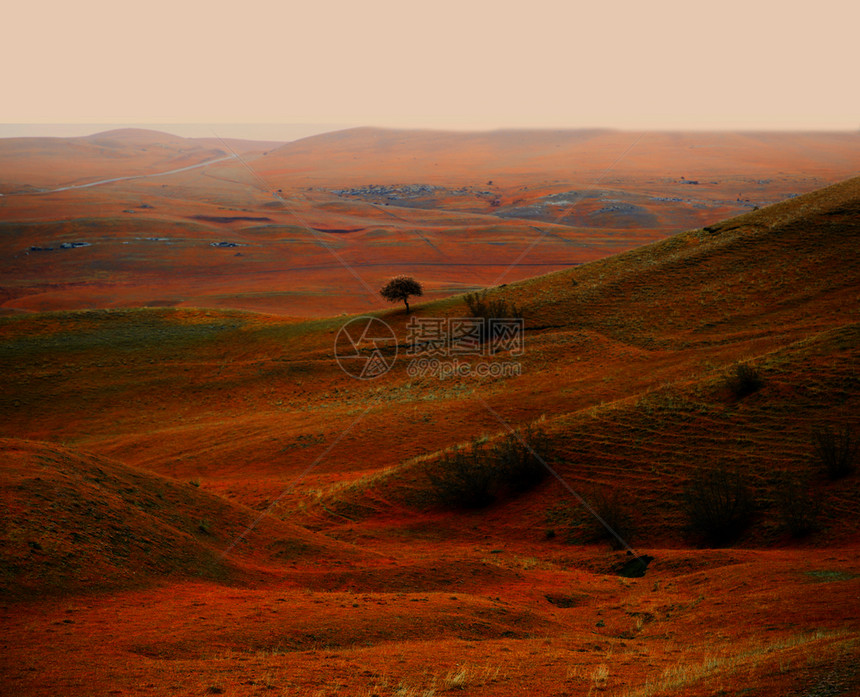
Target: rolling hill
[(81, 523), (362, 577), (135, 218)]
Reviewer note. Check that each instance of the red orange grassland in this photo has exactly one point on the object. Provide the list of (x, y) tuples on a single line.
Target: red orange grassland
[(139, 444), (632, 189)]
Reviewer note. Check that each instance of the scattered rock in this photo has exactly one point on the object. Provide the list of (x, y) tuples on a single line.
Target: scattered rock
[(398, 192), (566, 601), (634, 568)]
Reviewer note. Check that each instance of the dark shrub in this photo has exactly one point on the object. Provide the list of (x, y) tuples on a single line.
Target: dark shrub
[(612, 507), (520, 459), (489, 308), (743, 380), (718, 505), (797, 507), (581, 525), (476, 475), (465, 477), (836, 450)]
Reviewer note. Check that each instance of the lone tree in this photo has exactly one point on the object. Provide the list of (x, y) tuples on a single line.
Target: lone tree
[(400, 288)]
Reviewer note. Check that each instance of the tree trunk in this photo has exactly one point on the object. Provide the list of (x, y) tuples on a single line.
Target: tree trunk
[(407, 305)]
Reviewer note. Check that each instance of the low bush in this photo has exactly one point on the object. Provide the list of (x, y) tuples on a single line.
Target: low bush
[(796, 505), (474, 476), (836, 450), (614, 509), (582, 526), (519, 459), (743, 380), (487, 308), (465, 477), (718, 504)]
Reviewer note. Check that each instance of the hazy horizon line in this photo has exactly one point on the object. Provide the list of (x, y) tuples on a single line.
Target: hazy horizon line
[(285, 132)]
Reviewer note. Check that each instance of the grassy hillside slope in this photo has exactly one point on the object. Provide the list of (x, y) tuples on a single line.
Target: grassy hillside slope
[(139, 444)]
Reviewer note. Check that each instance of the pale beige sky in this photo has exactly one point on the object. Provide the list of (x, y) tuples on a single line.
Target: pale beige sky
[(445, 64)]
